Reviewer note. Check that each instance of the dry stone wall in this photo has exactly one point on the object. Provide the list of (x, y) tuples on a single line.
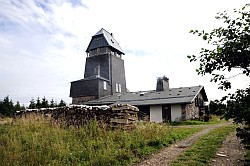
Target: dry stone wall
[(115, 116)]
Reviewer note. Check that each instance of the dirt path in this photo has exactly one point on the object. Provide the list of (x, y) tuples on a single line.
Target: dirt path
[(167, 155), (231, 153)]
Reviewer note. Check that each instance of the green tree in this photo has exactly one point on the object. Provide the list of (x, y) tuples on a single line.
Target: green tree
[(18, 106), (52, 103), (238, 108), (1, 108), (45, 103), (230, 50), (7, 107), (38, 103), (32, 104), (217, 108), (62, 103)]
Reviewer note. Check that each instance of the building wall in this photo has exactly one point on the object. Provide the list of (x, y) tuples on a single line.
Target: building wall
[(176, 111), (191, 111), (80, 100), (155, 113), (118, 73), (104, 92), (84, 88), (92, 63)]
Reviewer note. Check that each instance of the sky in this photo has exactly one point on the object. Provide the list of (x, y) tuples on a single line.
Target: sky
[(43, 43)]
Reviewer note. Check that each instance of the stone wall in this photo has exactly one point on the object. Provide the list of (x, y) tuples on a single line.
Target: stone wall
[(122, 116), (79, 100), (191, 111)]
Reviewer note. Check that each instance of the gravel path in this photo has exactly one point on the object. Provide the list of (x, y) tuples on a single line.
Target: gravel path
[(231, 153), (167, 155)]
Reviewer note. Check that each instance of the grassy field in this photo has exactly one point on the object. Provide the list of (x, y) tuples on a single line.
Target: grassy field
[(213, 120), (36, 141), (204, 149)]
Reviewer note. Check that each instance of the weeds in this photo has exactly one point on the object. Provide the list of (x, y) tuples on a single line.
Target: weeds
[(36, 141)]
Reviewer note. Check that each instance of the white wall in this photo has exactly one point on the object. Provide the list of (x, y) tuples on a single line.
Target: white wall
[(175, 112), (156, 113)]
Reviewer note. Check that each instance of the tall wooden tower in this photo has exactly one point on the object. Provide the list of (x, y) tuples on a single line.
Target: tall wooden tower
[(104, 70)]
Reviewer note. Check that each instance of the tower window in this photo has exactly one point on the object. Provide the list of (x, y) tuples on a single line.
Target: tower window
[(116, 87), (120, 88), (98, 41), (104, 85)]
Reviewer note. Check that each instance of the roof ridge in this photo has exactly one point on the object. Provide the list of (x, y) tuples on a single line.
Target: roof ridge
[(98, 33), (109, 38)]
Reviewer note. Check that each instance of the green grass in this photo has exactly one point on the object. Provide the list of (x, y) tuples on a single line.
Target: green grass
[(213, 120), (36, 141), (205, 148)]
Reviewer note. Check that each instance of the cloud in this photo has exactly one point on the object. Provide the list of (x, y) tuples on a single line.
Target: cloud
[(43, 43)]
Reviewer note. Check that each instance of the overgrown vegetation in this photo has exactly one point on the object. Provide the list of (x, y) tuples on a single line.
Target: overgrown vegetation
[(36, 141), (230, 51), (205, 148)]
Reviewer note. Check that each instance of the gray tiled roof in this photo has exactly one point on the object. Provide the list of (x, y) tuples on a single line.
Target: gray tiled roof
[(171, 96), (110, 41)]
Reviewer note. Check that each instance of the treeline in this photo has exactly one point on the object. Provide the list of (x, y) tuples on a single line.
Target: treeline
[(44, 103), (8, 107), (217, 107)]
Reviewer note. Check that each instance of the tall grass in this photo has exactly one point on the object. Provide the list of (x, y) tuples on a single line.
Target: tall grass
[(37, 141)]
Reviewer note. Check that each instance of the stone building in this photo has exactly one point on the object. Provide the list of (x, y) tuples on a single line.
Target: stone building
[(104, 83)]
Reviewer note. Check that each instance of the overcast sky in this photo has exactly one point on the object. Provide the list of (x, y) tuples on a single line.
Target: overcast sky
[(43, 43)]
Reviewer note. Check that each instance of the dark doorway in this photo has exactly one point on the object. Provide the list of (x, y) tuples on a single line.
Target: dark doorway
[(144, 113), (166, 113)]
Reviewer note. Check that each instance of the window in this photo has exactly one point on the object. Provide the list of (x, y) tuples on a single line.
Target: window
[(120, 88), (98, 41), (116, 87), (104, 85)]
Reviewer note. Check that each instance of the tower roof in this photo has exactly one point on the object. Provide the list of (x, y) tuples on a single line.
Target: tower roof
[(108, 41)]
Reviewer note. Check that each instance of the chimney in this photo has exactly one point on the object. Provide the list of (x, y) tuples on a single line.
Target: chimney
[(162, 84)]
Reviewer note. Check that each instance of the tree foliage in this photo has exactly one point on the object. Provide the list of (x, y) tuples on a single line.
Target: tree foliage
[(217, 108), (45, 104), (230, 50), (62, 103), (32, 104), (238, 108), (8, 108), (231, 47)]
